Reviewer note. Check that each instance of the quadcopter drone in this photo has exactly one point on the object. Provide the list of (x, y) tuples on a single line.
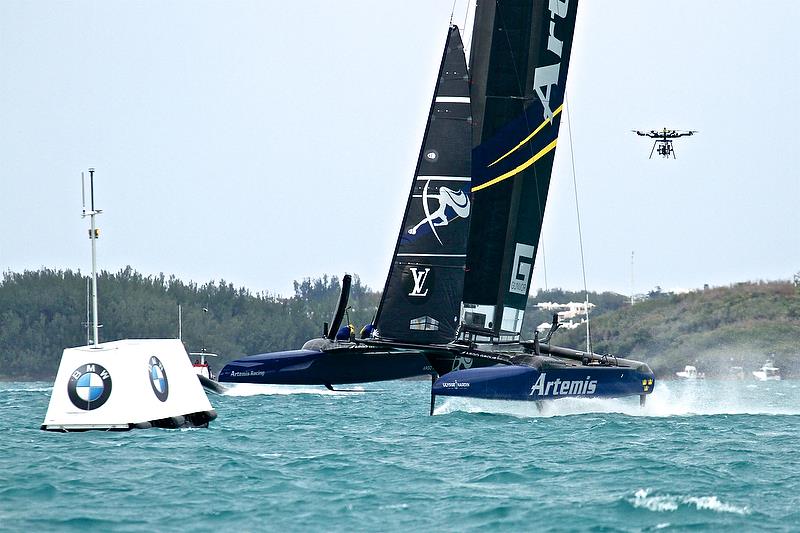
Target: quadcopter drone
[(663, 140)]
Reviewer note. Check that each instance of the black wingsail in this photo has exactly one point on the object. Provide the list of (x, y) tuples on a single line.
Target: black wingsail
[(422, 297), (518, 65)]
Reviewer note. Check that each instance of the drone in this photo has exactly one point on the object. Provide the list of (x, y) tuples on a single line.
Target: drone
[(663, 140)]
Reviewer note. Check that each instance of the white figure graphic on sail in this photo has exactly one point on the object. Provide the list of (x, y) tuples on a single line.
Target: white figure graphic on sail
[(458, 201)]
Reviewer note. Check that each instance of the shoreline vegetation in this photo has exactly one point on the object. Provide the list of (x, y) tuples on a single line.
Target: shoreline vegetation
[(714, 329)]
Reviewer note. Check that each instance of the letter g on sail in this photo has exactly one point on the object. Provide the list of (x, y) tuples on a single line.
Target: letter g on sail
[(521, 271)]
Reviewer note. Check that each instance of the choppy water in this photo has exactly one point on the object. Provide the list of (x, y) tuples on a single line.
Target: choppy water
[(699, 456)]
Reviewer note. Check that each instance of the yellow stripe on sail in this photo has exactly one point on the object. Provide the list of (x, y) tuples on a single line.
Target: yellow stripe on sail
[(528, 138), (519, 169)]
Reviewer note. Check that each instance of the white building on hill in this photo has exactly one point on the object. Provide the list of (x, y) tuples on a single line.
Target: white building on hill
[(570, 315)]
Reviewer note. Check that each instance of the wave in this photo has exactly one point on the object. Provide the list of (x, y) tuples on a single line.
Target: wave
[(643, 499), (668, 399)]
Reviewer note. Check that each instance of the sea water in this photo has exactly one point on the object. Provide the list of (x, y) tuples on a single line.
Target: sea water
[(705, 456)]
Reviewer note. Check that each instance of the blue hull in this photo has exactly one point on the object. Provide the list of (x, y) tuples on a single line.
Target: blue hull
[(312, 367), (518, 382)]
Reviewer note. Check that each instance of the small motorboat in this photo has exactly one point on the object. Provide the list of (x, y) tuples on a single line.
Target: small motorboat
[(690, 372), (201, 366), (204, 372), (768, 372)]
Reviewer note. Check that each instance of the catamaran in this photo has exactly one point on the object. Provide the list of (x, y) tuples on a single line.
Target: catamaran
[(455, 296), (419, 310)]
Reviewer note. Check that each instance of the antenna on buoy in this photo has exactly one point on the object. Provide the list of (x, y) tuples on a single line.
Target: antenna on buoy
[(94, 234)]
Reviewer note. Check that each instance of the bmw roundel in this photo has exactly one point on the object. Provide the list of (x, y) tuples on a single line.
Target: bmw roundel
[(89, 386), (158, 378)]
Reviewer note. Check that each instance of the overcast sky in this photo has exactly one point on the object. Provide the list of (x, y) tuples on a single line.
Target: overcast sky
[(263, 142)]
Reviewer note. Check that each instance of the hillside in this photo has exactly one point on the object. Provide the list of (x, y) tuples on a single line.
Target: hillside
[(44, 311), (713, 329), (41, 312)]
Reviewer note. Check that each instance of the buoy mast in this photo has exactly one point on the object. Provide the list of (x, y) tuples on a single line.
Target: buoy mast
[(94, 234)]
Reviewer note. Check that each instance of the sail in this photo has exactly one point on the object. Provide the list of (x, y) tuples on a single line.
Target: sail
[(518, 66), (422, 297)]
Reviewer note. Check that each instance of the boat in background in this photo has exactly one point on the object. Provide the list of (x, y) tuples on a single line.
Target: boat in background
[(767, 372), (200, 365), (690, 372), (204, 373)]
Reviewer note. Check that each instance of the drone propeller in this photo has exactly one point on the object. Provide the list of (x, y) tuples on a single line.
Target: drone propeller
[(664, 133)]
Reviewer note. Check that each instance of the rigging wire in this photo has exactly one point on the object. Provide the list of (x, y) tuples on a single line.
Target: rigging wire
[(464, 29), (544, 259), (578, 214), (452, 11)]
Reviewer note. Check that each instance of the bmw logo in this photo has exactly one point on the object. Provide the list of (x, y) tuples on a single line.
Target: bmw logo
[(158, 379), (89, 386)]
